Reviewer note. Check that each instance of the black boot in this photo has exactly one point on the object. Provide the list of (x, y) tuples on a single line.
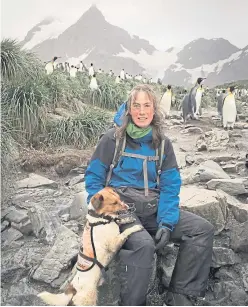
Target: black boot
[(177, 299)]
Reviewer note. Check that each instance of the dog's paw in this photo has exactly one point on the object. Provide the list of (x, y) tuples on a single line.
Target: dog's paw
[(136, 228)]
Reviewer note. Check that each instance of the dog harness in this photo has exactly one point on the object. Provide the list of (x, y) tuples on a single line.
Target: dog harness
[(87, 257)]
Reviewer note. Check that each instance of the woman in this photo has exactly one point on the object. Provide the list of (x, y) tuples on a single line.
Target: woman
[(158, 212)]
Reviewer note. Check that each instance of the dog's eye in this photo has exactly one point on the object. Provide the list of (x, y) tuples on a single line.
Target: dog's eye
[(115, 203)]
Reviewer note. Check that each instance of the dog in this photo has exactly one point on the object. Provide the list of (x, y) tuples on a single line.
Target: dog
[(101, 225)]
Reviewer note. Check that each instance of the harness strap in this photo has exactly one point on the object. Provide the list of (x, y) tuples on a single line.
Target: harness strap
[(145, 169), (93, 260)]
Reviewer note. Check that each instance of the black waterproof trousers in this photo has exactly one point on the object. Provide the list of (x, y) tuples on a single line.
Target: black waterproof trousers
[(190, 275)]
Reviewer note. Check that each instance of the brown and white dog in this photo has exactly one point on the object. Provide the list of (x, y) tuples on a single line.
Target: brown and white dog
[(107, 238)]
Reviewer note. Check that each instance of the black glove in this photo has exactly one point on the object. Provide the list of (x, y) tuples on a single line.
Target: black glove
[(162, 237)]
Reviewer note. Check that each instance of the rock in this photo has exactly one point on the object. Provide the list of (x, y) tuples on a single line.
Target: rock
[(176, 122), (23, 294), (205, 203), (19, 260), (223, 158), (238, 209), (78, 208), (204, 172), (245, 126), (46, 225), (224, 256), (181, 161), (75, 180), (195, 130), (34, 181), (79, 187), (16, 216), (230, 168), (244, 275), (230, 186), (201, 145), (186, 147), (25, 198), (24, 227), (78, 170), (10, 235), (239, 125), (239, 237), (65, 248), (73, 226), (4, 225), (228, 293)]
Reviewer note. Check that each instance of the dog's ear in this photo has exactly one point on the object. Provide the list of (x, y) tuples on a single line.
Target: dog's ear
[(97, 200)]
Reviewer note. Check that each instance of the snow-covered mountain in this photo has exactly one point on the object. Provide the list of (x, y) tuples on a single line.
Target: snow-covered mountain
[(93, 39)]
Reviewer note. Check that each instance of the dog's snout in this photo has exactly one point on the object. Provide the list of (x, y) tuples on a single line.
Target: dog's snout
[(125, 206)]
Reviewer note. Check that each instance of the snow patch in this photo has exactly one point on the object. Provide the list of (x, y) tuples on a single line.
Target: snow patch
[(154, 64), (50, 31), (76, 61)]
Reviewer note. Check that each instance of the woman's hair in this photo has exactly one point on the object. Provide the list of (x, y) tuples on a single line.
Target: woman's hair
[(157, 122)]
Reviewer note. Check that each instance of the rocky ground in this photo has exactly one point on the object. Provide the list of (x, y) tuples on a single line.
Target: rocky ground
[(42, 223)]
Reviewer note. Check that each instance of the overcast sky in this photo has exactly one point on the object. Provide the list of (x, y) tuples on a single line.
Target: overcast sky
[(164, 23)]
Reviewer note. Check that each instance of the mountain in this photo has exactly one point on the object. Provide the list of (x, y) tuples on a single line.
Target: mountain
[(216, 59), (93, 39)]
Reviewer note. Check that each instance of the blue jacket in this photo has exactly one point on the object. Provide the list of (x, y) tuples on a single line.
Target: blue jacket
[(120, 113), (129, 172)]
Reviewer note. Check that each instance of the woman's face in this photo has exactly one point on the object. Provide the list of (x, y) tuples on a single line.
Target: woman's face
[(142, 110)]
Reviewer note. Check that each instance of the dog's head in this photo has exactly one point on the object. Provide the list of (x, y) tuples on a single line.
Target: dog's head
[(107, 202)]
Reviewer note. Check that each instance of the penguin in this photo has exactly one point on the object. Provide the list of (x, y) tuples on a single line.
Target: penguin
[(51, 65), (220, 99), (189, 101), (111, 73), (93, 83), (91, 70), (198, 98), (165, 102), (118, 79), (229, 110), (122, 74), (73, 71), (246, 160), (82, 67), (99, 71)]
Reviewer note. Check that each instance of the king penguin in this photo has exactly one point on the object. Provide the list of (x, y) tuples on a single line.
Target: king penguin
[(165, 103), (220, 99), (93, 83), (198, 99), (189, 101), (91, 70), (229, 111), (50, 66)]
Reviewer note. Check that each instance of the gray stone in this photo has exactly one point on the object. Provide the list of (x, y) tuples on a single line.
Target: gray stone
[(4, 225), (238, 209), (244, 275), (45, 224), (201, 145), (230, 168), (195, 130), (16, 216), (230, 186), (10, 235), (75, 180), (223, 158), (24, 227), (78, 208), (224, 256), (23, 294), (205, 203), (65, 248), (79, 187), (239, 237), (34, 181), (204, 172), (181, 161), (25, 198)]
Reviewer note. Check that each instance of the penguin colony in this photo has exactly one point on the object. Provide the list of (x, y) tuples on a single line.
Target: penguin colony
[(191, 102)]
